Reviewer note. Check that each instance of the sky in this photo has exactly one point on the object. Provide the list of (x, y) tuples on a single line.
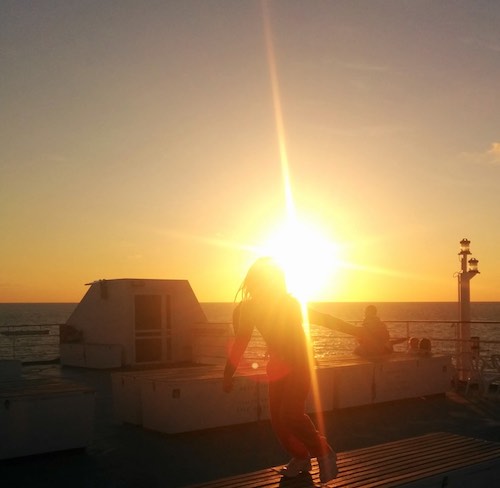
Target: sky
[(174, 139)]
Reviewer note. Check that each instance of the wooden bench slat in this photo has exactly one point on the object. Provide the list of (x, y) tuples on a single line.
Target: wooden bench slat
[(416, 459), (388, 465), (414, 468), (406, 478), (394, 478), (427, 440)]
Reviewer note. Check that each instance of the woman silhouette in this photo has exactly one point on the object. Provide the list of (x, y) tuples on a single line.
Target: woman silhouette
[(267, 307)]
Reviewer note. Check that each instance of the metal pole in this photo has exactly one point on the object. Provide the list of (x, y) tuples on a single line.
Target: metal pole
[(464, 356), (464, 334)]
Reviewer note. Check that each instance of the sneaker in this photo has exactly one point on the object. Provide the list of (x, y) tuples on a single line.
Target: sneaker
[(327, 467), (295, 467)]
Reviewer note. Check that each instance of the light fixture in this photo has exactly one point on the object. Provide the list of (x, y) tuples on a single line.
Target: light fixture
[(464, 246), (473, 262)]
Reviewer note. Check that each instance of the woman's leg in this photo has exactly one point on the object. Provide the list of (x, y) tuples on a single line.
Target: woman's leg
[(296, 431), (280, 426), (294, 419)]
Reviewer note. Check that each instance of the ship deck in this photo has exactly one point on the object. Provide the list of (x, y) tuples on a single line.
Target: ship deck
[(129, 456)]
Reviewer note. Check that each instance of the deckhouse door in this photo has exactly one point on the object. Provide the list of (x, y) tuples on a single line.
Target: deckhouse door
[(149, 336)]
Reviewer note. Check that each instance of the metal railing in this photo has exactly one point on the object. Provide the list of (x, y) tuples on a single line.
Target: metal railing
[(30, 343), (444, 337), (482, 333)]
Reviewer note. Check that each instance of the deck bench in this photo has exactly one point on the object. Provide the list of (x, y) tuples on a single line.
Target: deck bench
[(433, 460)]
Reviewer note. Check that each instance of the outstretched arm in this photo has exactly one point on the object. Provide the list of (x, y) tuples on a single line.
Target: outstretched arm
[(331, 322)]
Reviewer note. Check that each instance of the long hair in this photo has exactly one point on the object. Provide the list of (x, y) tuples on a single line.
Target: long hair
[(265, 276)]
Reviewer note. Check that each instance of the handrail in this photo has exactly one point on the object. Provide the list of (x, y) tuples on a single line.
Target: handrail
[(29, 347), (30, 342), (30, 325)]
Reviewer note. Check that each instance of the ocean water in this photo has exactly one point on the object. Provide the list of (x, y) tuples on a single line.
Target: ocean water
[(435, 320), (39, 326), (40, 323)]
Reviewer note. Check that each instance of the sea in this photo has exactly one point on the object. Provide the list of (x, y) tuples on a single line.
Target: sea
[(30, 331)]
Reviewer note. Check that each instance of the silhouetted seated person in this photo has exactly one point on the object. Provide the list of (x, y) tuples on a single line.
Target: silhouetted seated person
[(413, 343), (424, 347), (373, 336)]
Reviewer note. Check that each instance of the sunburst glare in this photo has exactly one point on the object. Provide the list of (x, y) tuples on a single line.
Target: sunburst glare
[(307, 256)]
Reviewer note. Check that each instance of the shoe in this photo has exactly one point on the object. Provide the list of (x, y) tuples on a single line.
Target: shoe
[(295, 467), (327, 467)]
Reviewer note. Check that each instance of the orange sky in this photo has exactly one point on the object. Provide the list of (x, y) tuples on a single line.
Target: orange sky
[(148, 140)]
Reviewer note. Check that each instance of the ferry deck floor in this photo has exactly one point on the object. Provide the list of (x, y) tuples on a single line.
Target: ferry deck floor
[(128, 456)]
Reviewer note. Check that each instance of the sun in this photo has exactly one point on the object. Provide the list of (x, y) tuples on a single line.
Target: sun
[(309, 259)]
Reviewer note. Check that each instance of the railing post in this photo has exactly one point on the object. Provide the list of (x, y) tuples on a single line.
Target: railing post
[(475, 347)]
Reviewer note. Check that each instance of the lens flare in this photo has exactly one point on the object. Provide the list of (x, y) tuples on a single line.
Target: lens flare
[(283, 249)]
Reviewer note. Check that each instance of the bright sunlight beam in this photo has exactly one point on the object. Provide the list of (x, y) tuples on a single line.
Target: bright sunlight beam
[(292, 243), (307, 257)]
